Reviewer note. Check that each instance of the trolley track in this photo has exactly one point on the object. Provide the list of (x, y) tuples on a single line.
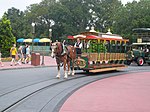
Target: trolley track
[(31, 89), (61, 87), (49, 95), (20, 87)]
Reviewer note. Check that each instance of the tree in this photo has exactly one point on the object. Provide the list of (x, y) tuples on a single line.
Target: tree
[(132, 15), (70, 17), (18, 22), (6, 36)]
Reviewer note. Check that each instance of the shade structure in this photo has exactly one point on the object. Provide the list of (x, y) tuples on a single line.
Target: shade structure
[(36, 40), (44, 40), (79, 36), (28, 40), (70, 37), (92, 37), (20, 40)]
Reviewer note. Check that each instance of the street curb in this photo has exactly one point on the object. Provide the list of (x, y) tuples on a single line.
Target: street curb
[(3, 69)]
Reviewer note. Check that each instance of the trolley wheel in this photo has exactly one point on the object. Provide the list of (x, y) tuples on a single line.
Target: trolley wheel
[(128, 62), (87, 71), (140, 61)]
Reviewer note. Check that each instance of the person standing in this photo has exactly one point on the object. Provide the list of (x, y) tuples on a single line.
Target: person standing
[(1, 63), (13, 52)]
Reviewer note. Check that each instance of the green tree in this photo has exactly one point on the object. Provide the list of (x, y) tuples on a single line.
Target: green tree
[(18, 22), (6, 36), (132, 15)]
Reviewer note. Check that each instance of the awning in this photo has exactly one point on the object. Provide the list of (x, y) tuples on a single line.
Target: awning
[(36, 40), (44, 40), (28, 40), (20, 40)]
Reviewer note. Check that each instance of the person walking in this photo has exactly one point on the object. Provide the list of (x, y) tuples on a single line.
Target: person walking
[(24, 53), (20, 55), (28, 55), (13, 52), (1, 63)]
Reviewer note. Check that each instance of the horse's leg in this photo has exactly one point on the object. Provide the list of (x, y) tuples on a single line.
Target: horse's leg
[(65, 75), (58, 67), (68, 63), (73, 71)]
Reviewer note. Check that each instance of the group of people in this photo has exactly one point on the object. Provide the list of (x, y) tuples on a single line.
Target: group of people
[(22, 54), (19, 56)]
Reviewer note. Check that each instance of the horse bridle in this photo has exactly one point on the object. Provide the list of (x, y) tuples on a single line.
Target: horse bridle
[(57, 56)]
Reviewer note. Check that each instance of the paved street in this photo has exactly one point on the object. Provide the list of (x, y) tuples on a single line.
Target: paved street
[(37, 89)]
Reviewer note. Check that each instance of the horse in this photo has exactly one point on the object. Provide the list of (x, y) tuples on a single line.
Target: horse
[(70, 55)]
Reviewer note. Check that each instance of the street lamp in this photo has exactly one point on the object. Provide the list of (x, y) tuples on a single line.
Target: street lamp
[(33, 32), (50, 33)]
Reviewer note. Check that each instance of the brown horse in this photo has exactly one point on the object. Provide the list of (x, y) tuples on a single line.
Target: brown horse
[(70, 55)]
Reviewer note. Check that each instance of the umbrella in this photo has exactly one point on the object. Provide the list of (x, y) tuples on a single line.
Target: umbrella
[(27, 40), (20, 40), (36, 40), (44, 40)]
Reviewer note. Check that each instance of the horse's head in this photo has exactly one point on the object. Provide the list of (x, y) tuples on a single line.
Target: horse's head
[(56, 49)]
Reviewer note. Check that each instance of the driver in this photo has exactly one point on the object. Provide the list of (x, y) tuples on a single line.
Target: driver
[(78, 45)]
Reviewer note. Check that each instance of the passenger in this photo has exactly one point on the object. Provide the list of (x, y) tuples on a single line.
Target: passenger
[(88, 44), (78, 45), (146, 51)]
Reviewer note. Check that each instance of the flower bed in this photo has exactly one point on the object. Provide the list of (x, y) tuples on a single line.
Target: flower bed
[(7, 59)]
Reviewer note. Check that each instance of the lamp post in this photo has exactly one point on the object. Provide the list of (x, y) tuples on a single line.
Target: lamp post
[(33, 32), (50, 33)]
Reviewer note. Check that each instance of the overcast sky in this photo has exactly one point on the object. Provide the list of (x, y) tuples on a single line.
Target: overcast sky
[(21, 4)]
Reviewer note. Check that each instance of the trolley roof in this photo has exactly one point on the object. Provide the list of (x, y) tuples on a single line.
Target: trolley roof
[(146, 43), (97, 36)]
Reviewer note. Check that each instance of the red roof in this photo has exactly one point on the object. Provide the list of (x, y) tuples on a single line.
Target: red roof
[(70, 37), (92, 37), (97, 37)]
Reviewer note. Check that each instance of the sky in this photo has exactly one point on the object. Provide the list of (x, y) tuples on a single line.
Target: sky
[(22, 4)]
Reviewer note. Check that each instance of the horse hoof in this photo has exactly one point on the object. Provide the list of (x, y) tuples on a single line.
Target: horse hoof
[(58, 77), (65, 77), (72, 74), (69, 73)]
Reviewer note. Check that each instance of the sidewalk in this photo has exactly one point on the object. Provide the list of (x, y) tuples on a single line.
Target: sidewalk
[(48, 61), (125, 93)]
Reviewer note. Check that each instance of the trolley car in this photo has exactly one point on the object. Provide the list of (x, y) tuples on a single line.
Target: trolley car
[(101, 51)]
